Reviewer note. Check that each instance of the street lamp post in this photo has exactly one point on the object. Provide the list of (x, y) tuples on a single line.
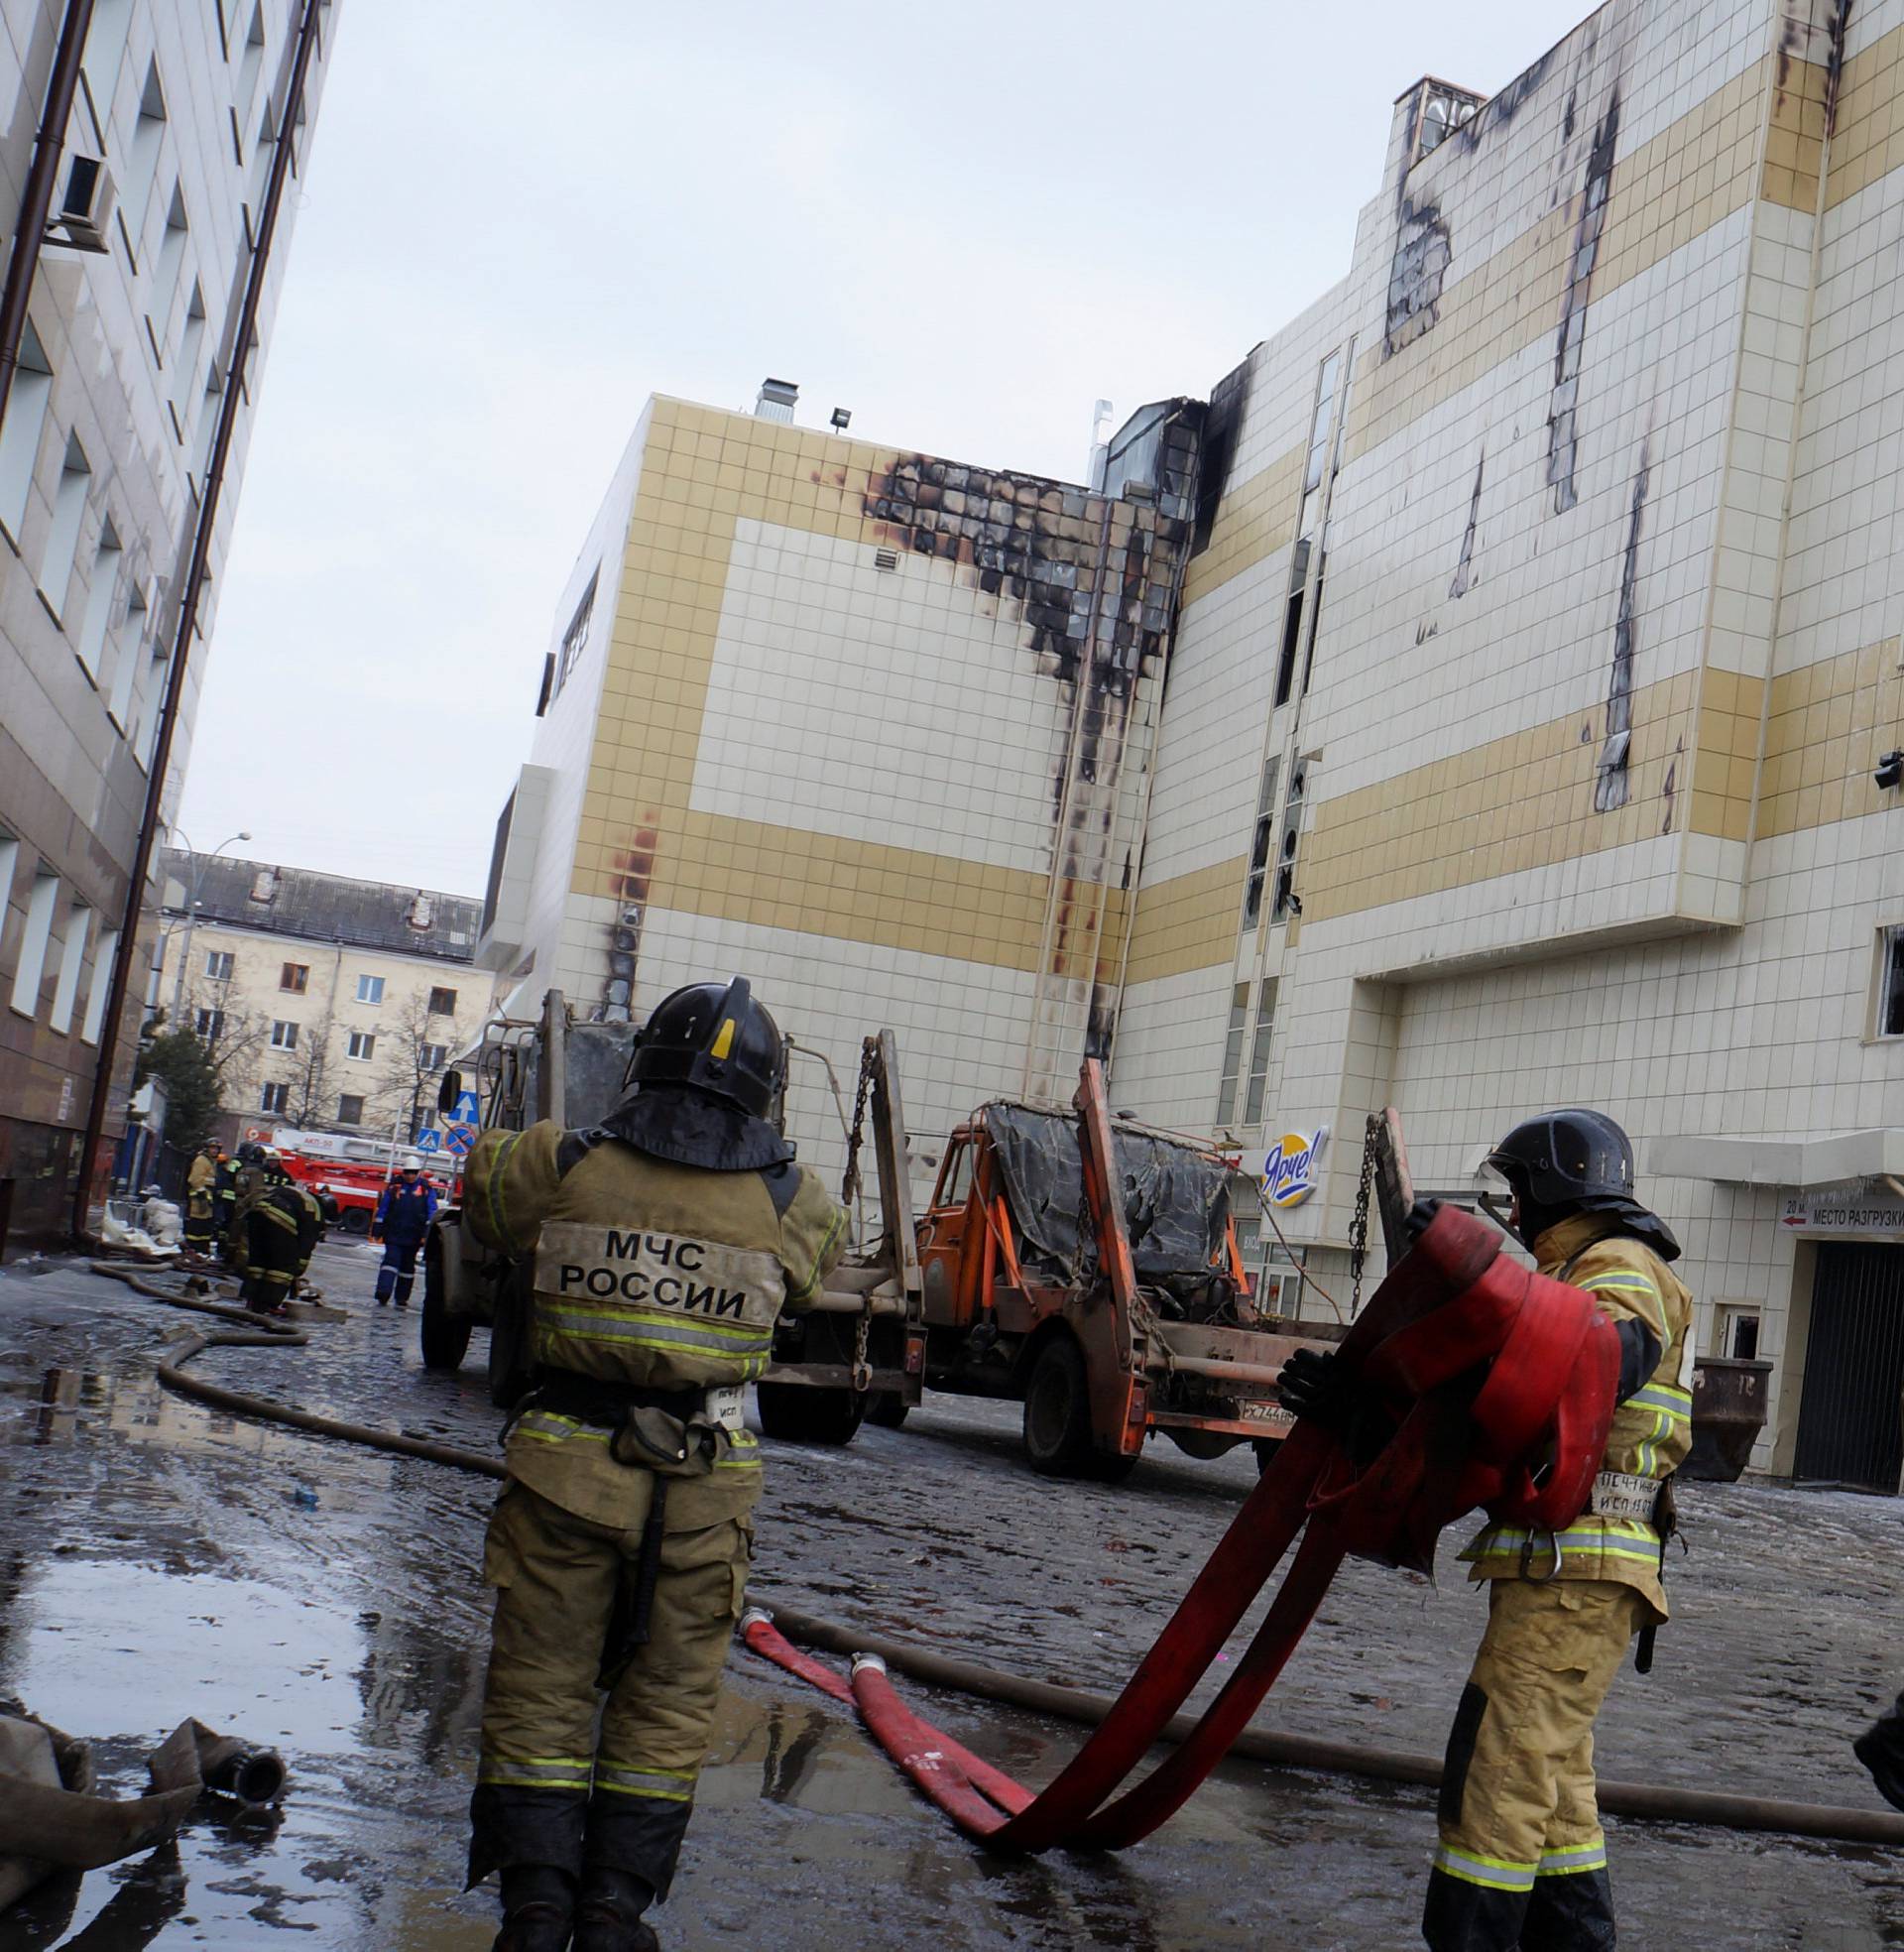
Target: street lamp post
[(192, 916)]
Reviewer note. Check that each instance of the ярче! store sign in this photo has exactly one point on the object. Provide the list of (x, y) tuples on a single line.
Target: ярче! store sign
[(1863, 1209)]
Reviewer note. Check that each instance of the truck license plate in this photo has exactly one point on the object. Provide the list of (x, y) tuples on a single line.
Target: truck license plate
[(1260, 1412)]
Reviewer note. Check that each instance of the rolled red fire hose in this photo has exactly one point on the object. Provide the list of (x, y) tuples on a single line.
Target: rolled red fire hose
[(1449, 1307)]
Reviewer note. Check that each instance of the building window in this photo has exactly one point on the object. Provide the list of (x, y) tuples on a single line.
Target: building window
[(209, 1023), (1232, 1054), (1288, 901), (142, 163), (72, 955), (130, 638), (274, 1097), (295, 977), (442, 1002), (575, 638), (32, 965), (218, 965), (363, 1045), (102, 588), (1739, 1325), (283, 1036), (165, 273), (103, 958), (350, 1110), (370, 989), (63, 539), (105, 48), (433, 1056), (185, 391), (1261, 845), (20, 432), (1260, 1052), (1891, 982)]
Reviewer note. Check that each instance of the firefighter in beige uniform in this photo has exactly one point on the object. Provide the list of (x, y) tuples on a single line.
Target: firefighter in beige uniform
[(1523, 1861), (665, 1242)]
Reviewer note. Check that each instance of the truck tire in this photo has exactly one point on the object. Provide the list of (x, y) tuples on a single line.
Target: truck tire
[(1057, 1411), (445, 1337), (795, 1412), (354, 1220), (889, 1409)]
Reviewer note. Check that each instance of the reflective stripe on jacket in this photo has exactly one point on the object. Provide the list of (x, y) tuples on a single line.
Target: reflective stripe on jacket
[(1652, 1429)]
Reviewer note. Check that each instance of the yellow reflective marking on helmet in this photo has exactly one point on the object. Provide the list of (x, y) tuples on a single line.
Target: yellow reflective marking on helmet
[(723, 1044)]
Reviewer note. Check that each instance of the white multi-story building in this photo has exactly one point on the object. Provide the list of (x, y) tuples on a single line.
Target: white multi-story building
[(1528, 727), (126, 353), (327, 1004), (1530, 732)]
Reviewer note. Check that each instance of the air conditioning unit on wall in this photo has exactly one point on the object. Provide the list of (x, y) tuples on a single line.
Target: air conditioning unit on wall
[(84, 208)]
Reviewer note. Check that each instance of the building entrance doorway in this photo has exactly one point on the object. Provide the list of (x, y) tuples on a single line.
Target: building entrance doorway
[(1849, 1424)]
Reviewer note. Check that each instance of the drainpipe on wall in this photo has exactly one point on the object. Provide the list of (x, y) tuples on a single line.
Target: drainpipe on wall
[(188, 601), (36, 205)]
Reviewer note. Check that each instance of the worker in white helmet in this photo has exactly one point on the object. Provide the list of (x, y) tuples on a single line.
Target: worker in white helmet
[(402, 1222)]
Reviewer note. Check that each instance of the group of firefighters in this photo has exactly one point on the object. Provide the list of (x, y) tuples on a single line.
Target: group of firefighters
[(621, 1543), (266, 1226)]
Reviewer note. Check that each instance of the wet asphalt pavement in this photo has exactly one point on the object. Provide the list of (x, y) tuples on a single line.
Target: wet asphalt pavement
[(159, 1560)]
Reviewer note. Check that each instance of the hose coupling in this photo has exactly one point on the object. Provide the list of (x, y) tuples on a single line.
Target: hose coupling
[(871, 1661)]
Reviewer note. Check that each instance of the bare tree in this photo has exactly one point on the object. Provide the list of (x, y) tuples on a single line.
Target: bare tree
[(233, 1040), (411, 1065), (311, 1100)]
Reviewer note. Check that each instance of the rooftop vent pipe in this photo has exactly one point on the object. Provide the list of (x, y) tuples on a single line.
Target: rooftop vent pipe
[(775, 402)]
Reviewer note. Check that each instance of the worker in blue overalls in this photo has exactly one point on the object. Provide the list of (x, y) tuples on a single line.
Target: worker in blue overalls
[(404, 1214)]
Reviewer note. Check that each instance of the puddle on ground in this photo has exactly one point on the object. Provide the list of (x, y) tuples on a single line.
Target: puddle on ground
[(106, 1647)]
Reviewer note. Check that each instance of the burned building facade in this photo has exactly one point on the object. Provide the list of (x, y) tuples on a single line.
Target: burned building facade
[(1527, 728), (1490, 700), (872, 726)]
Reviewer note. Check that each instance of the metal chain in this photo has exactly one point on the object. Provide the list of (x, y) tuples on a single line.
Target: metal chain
[(850, 1184), (1359, 1226), (862, 1368)]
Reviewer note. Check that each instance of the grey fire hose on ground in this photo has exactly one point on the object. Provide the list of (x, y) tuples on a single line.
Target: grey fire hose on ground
[(52, 1820), (1645, 1801)]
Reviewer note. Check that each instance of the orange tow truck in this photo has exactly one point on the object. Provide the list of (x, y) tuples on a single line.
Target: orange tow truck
[(1087, 1267)]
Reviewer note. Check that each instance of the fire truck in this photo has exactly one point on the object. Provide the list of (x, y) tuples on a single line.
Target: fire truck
[(356, 1170)]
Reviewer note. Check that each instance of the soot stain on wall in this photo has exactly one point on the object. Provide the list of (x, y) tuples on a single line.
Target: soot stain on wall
[(1465, 575), (1613, 784), (1095, 581), (1563, 423)]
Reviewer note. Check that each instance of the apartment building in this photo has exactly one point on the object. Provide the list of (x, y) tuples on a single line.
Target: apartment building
[(328, 1003), (126, 355)]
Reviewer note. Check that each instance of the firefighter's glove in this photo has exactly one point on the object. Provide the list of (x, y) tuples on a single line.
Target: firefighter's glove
[(1422, 1217), (1312, 1384)]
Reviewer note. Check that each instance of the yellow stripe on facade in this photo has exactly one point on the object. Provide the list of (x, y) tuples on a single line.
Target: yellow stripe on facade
[(1253, 521), (1189, 921), (640, 839)]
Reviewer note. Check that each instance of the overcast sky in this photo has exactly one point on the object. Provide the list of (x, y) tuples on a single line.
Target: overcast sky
[(520, 220)]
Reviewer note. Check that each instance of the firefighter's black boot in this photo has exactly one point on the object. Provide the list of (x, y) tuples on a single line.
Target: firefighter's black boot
[(610, 1918), (538, 1909)]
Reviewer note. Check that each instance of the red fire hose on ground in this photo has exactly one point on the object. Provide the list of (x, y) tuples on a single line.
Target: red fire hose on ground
[(1439, 1448), (933, 1751)]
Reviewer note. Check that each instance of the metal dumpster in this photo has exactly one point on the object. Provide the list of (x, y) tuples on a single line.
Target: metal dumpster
[(1728, 1411)]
